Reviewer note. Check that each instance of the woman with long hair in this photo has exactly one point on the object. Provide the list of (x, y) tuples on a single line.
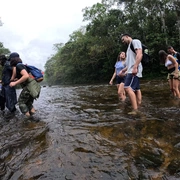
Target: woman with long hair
[(120, 64), (173, 73)]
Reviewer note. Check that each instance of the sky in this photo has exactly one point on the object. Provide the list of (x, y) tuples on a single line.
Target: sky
[(31, 27)]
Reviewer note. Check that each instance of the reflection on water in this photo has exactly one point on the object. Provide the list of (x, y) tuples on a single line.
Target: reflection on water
[(85, 133)]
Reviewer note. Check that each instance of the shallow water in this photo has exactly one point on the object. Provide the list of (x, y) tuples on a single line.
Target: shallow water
[(85, 133)]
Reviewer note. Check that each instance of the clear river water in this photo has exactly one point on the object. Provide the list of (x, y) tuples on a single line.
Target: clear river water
[(85, 133)]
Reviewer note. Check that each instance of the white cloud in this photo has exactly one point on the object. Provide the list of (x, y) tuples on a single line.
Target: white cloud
[(31, 27)]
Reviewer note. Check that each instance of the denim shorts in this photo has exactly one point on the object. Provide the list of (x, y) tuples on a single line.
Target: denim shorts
[(119, 79), (132, 82)]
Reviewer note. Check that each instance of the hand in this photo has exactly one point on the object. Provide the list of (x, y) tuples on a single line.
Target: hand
[(134, 70), (121, 73), (176, 75), (12, 84), (111, 82)]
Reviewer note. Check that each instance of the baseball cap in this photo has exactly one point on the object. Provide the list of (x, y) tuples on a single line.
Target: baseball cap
[(13, 55)]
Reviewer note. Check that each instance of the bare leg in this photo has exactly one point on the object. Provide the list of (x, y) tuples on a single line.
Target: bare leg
[(138, 97), (121, 92), (175, 83), (170, 81), (132, 97)]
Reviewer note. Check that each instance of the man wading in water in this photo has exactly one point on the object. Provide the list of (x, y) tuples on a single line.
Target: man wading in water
[(134, 71)]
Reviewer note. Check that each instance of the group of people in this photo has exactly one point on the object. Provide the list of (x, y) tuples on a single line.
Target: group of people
[(128, 70), (15, 73)]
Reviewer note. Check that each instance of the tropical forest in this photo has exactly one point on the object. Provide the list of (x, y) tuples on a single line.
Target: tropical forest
[(90, 53)]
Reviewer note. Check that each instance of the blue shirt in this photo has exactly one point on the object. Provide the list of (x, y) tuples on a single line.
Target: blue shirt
[(119, 66)]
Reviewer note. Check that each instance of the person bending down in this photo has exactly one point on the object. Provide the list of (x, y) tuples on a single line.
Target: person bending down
[(31, 89)]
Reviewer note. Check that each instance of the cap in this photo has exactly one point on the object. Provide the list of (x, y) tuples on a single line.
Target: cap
[(13, 55)]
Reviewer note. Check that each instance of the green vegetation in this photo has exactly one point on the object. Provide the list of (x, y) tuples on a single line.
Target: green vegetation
[(91, 52)]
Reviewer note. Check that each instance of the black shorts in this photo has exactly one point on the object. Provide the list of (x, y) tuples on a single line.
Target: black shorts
[(119, 79)]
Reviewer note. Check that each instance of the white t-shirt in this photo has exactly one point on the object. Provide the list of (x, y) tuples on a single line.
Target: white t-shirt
[(131, 57)]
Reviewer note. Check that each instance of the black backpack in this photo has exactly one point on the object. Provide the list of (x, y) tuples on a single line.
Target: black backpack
[(178, 57), (146, 58)]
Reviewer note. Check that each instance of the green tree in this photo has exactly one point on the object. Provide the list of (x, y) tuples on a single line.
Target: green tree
[(91, 52)]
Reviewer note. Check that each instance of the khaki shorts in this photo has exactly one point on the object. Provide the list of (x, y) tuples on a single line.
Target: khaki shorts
[(171, 76)]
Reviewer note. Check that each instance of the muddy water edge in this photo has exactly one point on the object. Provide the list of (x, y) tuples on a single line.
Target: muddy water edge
[(85, 133)]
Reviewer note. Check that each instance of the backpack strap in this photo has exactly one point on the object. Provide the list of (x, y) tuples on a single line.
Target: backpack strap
[(132, 47), (178, 55)]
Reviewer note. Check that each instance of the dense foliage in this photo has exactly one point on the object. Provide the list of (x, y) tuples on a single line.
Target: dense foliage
[(91, 52)]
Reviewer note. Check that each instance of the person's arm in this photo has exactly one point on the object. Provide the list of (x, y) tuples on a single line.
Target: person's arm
[(123, 72), (113, 76), (24, 77)]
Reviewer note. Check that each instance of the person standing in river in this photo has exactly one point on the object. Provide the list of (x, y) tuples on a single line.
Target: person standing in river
[(120, 64), (8, 94), (31, 89), (173, 72), (176, 55), (134, 71)]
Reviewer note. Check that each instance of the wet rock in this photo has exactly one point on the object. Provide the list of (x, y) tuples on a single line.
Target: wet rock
[(150, 156), (2, 169), (174, 167), (177, 145)]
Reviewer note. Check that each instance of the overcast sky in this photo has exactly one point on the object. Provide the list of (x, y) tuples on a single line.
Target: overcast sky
[(31, 27)]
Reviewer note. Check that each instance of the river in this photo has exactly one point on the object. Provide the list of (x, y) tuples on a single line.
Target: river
[(85, 133)]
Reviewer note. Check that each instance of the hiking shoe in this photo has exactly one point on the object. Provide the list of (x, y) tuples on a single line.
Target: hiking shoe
[(35, 119), (27, 117), (134, 112)]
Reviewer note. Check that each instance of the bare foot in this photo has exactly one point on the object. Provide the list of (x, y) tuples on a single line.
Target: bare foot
[(33, 111), (27, 114)]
